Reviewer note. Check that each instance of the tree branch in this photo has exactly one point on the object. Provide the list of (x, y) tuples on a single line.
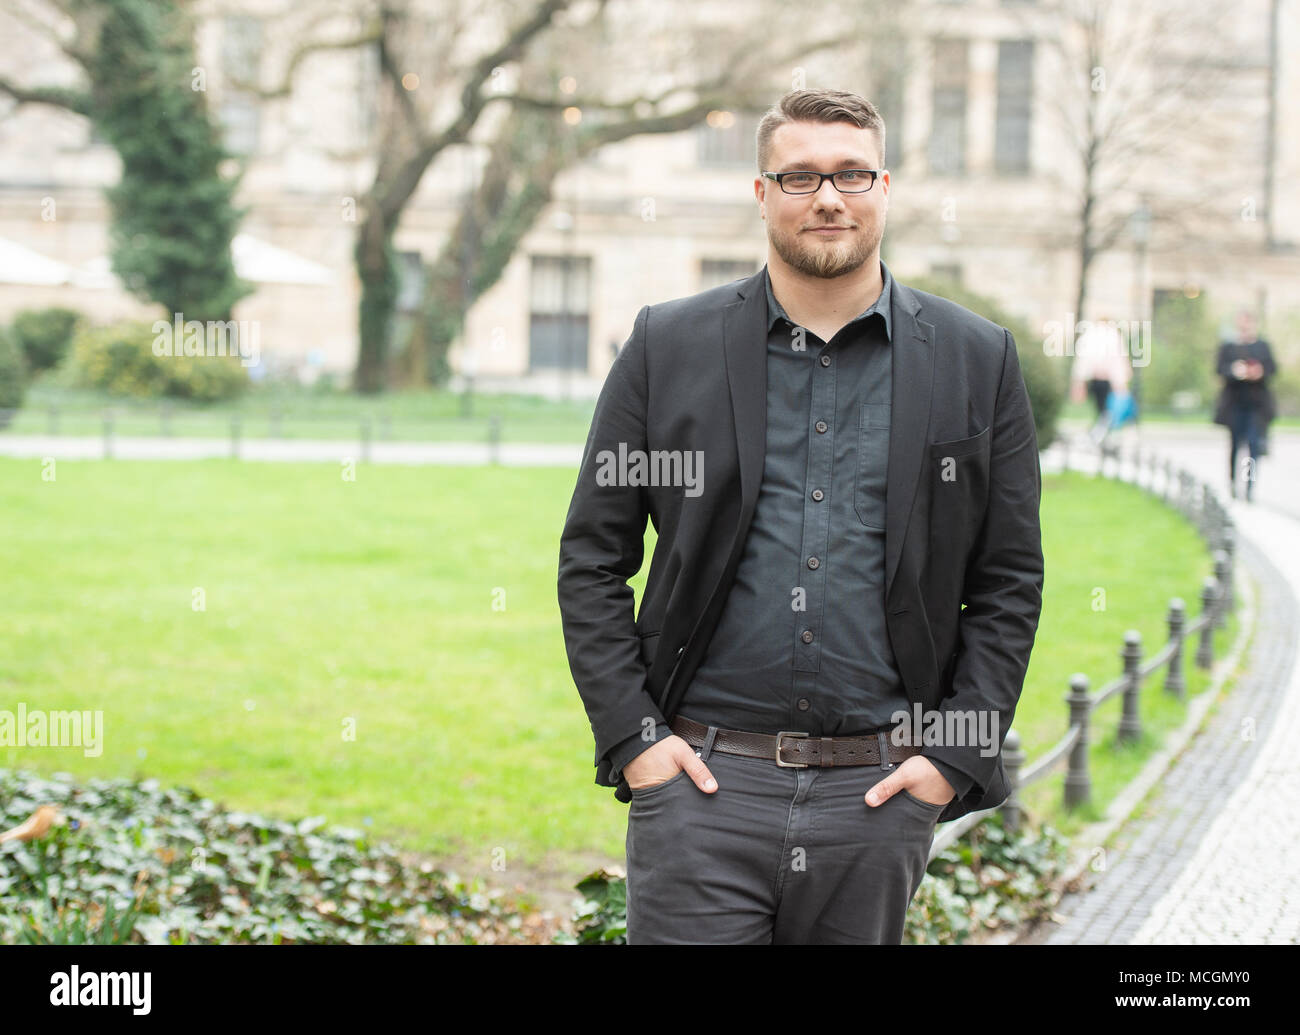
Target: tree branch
[(66, 97)]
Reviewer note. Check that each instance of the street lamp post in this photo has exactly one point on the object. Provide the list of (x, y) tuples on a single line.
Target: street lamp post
[(1140, 228)]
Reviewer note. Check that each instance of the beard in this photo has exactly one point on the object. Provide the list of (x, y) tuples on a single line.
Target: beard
[(826, 259)]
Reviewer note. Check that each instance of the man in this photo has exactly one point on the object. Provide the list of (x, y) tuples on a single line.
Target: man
[(834, 464), (1246, 404)]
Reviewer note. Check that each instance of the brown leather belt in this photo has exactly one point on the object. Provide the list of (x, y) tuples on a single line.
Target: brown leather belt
[(797, 750)]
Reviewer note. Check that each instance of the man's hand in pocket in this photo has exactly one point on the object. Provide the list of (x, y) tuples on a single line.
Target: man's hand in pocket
[(660, 762), (920, 777)]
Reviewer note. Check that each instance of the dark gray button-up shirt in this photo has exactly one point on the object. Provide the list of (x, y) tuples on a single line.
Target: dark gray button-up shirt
[(802, 643)]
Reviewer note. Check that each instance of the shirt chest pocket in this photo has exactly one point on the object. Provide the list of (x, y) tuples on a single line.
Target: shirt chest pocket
[(872, 465)]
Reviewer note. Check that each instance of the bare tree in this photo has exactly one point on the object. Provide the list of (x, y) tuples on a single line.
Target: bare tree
[(1137, 96), (535, 144), (642, 68), (655, 68)]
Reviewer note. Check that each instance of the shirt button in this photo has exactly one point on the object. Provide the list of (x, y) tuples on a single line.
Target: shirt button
[(807, 636), (817, 495), (803, 704), (826, 361), (813, 562), (821, 427)]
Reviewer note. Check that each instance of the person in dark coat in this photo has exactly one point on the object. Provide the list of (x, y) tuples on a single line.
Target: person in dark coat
[(1246, 404)]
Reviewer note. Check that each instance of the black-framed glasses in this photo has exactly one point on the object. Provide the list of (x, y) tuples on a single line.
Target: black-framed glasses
[(805, 181)]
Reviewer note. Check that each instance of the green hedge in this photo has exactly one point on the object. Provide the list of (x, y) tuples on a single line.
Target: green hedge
[(45, 335), (13, 376), (120, 359)]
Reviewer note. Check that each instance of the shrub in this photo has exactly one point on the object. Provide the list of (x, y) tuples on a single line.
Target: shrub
[(133, 861), (13, 376), (120, 360), (1184, 350), (44, 335)]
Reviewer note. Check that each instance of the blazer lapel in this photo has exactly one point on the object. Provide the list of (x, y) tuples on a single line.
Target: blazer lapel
[(744, 349), (913, 382)]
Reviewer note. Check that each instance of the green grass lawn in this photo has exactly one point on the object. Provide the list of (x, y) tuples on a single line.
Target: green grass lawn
[(369, 604)]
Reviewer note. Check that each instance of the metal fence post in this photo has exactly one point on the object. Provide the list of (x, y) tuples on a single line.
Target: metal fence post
[(1177, 618), (494, 438), (1227, 583), (1130, 722), (1217, 517), (1221, 578), (1209, 597), (1078, 788)]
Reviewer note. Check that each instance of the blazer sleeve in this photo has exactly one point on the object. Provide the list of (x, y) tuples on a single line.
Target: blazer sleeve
[(601, 547), (1003, 584)]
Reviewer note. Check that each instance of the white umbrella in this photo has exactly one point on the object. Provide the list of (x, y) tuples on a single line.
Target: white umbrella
[(264, 263), (255, 260)]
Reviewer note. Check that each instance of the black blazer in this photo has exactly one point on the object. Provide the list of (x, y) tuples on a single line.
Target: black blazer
[(693, 376)]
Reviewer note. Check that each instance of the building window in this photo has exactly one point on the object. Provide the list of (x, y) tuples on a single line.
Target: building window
[(240, 111), (948, 125), (732, 144), (559, 307), (1015, 102), (716, 272)]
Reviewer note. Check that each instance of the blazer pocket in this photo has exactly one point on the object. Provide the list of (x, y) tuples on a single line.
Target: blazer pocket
[(961, 446), (873, 465), (959, 487)]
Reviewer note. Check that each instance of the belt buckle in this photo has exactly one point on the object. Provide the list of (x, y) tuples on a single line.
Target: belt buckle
[(788, 765)]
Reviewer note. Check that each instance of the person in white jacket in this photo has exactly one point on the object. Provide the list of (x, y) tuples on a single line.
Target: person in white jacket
[(1101, 368)]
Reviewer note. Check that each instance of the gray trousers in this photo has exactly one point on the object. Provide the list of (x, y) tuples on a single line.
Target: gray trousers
[(774, 856)]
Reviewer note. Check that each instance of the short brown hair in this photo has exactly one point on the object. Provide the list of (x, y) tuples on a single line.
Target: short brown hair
[(818, 106)]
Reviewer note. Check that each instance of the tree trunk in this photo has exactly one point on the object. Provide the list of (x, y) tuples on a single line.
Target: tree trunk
[(377, 270)]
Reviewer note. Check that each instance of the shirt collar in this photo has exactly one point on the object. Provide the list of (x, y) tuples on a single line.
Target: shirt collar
[(881, 305)]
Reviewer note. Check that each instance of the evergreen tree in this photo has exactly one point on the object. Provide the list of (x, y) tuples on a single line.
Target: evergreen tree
[(173, 217)]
